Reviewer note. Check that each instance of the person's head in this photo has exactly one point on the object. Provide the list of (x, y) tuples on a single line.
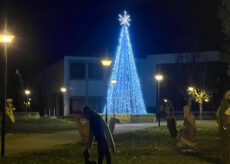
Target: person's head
[(87, 112)]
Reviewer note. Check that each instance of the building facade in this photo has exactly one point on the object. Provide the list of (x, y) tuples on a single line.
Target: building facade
[(85, 80)]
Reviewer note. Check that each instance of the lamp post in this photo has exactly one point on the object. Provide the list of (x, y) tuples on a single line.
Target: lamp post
[(5, 38), (27, 93), (106, 63), (159, 78), (58, 110), (190, 90), (114, 82)]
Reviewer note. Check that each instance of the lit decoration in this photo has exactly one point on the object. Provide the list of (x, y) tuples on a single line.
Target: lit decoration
[(200, 96), (10, 109), (125, 97), (125, 19)]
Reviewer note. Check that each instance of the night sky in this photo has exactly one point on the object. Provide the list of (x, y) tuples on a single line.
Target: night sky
[(47, 30)]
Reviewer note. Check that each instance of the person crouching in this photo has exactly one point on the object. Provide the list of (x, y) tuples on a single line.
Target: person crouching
[(102, 134)]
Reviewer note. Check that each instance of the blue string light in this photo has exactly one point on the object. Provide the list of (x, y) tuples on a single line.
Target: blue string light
[(125, 97)]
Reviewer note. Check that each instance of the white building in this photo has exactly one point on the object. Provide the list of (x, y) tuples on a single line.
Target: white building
[(85, 81)]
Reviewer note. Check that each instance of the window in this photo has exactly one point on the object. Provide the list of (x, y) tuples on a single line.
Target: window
[(95, 71), (77, 71)]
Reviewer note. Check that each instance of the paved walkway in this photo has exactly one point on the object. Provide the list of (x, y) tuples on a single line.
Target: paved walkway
[(128, 127), (22, 143)]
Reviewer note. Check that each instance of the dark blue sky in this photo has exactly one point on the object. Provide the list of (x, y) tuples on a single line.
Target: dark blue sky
[(46, 30)]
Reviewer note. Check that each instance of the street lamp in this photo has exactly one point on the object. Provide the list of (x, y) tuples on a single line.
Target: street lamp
[(190, 90), (58, 110), (5, 38), (165, 100), (27, 92), (63, 89), (114, 82), (27, 100), (106, 63), (159, 78)]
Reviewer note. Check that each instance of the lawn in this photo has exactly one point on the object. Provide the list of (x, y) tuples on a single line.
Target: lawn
[(141, 147), (43, 125)]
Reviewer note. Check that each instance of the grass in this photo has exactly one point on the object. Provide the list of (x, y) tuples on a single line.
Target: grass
[(141, 147), (43, 125)]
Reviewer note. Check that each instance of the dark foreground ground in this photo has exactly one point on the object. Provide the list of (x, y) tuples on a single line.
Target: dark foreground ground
[(152, 145)]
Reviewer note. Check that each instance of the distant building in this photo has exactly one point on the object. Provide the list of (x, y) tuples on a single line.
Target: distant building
[(85, 81)]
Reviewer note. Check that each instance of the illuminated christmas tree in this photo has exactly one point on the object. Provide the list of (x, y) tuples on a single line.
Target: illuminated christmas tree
[(124, 94)]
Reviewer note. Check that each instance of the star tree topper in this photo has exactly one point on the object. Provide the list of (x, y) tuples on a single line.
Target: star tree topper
[(124, 19)]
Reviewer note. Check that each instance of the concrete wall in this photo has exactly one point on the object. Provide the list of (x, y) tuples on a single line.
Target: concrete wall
[(81, 88)]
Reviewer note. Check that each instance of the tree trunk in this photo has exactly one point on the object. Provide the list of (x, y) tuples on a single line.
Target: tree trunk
[(201, 110)]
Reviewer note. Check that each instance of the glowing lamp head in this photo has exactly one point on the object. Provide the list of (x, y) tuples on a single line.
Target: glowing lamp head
[(165, 100), (190, 88), (159, 77), (106, 62), (63, 89), (206, 100), (6, 38), (27, 92), (113, 81)]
